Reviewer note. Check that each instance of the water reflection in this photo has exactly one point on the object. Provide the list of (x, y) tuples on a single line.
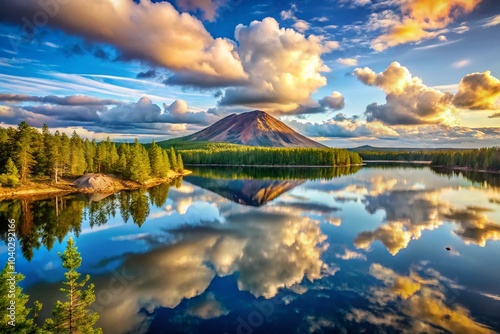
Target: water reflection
[(414, 303), (42, 220), (340, 251)]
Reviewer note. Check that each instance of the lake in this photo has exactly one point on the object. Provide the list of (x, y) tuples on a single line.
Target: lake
[(277, 250)]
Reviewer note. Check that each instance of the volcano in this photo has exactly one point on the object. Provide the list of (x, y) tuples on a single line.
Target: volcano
[(254, 128)]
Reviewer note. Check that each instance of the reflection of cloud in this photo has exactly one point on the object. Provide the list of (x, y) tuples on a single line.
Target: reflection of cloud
[(349, 255), (130, 237), (392, 235), (269, 249), (207, 308), (473, 225), (414, 304), (318, 323), (409, 212)]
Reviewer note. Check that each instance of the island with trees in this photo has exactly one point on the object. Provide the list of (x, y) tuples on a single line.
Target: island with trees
[(43, 162)]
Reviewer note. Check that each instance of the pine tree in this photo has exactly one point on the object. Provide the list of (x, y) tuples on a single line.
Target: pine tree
[(156, 160), (23, 150), (11, 169), (166, 162), (23, 323), (73, 316), (173, 159), (139, 168), (180, 164)]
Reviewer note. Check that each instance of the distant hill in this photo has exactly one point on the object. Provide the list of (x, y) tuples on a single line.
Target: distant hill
[(255, 128)]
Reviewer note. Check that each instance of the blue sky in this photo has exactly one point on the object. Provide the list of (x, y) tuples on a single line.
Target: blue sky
[(347, 72)]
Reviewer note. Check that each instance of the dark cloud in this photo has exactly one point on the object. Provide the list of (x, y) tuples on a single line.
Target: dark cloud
[(334, 101), (149, 74), (145, 111), (74, 100), (197, 80), (348, 128)]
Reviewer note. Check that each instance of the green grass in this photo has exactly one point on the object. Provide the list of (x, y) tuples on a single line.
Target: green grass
[(181, 145)]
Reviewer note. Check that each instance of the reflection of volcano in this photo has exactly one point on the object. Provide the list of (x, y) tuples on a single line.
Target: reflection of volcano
[(247, 192)]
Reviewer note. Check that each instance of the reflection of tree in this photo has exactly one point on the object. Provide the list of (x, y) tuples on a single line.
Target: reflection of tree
[(491, 179), (139, 207), (259, 173), (100, 211), (124, 199), (39, 222), (158, 195)]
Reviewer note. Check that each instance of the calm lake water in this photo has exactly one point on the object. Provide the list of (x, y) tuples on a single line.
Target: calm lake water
[(277, 251)]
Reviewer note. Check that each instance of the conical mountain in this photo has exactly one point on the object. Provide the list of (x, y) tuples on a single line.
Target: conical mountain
[(254, 128)]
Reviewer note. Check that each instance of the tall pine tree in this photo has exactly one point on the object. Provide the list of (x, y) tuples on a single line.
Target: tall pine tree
[(74, 316)]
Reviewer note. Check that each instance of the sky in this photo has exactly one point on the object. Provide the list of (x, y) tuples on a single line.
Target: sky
[(399, 73)]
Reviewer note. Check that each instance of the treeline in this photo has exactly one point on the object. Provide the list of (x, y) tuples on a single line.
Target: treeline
[(249, 155), (27, 152), (72, 315), (398, 155), (478, 159)]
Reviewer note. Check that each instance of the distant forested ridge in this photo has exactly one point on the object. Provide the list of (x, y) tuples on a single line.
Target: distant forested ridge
[(27, 152), (478, 159), (398, 155)]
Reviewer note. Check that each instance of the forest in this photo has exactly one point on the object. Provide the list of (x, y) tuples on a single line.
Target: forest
[(28, 153), (478, 159), (249, 155), (201, 153), (398, 155)]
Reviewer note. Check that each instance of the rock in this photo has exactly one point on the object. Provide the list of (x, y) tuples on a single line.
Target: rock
[(97, 182)]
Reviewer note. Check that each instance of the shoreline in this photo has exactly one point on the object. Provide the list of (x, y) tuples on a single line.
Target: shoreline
[(273, 166), (417, 162), (468, 169), (35, 189)]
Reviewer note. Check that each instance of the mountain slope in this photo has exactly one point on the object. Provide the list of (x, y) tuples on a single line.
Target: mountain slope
[(255, 128)]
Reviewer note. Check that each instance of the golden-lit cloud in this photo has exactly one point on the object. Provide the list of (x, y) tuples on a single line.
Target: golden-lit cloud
[(421, 19), (478, 91), (414, 304), (284, 66), (348, 61), (153, 32), (408, 100), (492, 21)]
